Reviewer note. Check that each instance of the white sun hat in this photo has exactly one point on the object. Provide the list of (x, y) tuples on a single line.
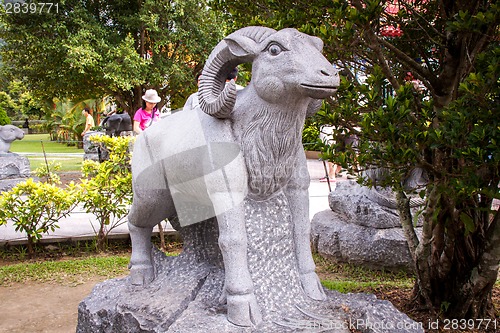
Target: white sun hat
[(151, 96)]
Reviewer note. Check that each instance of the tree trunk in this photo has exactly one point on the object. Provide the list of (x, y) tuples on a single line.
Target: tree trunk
[(136, 101), (101, 237), (31, 250), (163, 246), (456, 267), (129, 100)]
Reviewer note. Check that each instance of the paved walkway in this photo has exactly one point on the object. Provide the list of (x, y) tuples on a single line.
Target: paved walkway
[(52, 154), (83, 226)]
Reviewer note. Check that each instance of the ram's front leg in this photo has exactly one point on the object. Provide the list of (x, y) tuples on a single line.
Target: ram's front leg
[(141, 264), (148, 209), (298, 201), (242, 307)]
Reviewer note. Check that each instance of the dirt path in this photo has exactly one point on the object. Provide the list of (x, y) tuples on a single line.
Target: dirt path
[(42, 307)]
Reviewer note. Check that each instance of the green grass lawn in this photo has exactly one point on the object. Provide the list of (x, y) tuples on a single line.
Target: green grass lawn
[(38, 143), (67, 271), (32, 143), (67, 163)]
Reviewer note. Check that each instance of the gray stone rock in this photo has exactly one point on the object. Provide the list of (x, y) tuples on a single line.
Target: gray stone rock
[(350, 200), (13, 169), (8, 184), (369, 314), (374, 248), (91, 150), (363, 229), (14, 166), (109, 309), (363, 206)]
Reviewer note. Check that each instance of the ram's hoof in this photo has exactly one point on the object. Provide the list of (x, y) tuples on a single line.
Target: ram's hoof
[(141, 275), (243, 310), (312, 286)]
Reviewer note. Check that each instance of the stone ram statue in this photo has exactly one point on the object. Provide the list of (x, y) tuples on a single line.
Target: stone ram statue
[(117, 123), (236, 147), (9, 133)]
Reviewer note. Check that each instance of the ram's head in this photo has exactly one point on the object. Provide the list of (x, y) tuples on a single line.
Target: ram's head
[(286, 63), (9, 133)]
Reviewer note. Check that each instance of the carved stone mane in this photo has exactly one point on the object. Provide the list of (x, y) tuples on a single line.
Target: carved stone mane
[(269, 143)]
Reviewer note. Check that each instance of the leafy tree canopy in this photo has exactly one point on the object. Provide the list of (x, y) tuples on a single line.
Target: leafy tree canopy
[(90, 49)]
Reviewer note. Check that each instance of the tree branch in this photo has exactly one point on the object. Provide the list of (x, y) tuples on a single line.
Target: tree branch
[(423, 250), (407, 60), (374, 44), (403, 204), (429, 27)]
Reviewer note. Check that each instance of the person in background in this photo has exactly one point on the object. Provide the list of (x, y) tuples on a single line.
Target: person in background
[(149, 113), (108, 114), (89, 120), (234, 76), (192, 101)]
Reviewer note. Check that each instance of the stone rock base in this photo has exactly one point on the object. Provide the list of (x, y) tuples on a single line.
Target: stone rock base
[(185, 296), (184, 299), (8, 184), (92, 151), (13, 169)]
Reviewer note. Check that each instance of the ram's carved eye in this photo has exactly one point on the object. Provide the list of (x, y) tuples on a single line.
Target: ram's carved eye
[(274, 49)]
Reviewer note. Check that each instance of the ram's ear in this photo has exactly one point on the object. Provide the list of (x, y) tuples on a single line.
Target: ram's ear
[(241, 46), (317, 42)]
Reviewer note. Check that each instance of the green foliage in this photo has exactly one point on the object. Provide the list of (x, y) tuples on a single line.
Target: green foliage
[(91, 49), (18, 101), (4, 119), (471, 127), (35, 208), (449, 128), (49, 171), (7, 104), (108, 191), (310, 134), (65, 121)]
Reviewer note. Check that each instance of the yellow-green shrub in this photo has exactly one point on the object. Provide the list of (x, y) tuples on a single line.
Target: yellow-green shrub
[(108, 192), (36, 208)]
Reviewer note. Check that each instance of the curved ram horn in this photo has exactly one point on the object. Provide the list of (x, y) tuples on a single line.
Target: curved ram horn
[(216, 97)]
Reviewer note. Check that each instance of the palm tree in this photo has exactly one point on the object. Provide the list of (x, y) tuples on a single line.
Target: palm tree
[(66, 123)]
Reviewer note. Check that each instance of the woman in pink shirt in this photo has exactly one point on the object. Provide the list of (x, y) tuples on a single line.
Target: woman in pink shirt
[(149, 113)]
